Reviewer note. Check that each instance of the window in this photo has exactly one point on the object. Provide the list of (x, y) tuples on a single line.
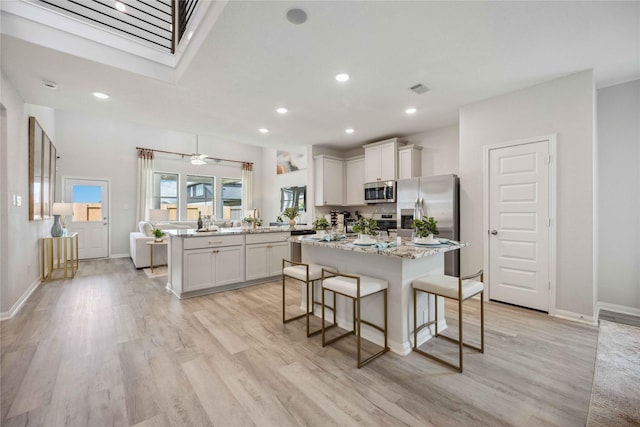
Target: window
[(200, 196), (87, 203), (165, 193), (232, 198)]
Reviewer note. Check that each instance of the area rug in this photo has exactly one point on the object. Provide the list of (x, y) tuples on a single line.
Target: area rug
[(615, 395), (157, 271)]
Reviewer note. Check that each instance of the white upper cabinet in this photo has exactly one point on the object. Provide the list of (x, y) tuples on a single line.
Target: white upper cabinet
[(409, 161), (329, 181), (354, 181), (380, 160)]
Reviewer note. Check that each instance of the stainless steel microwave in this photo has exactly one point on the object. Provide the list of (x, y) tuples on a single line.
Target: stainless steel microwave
[(380, 192)]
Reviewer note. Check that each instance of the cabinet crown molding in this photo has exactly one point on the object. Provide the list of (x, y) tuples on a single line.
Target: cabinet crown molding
[(386, 141)]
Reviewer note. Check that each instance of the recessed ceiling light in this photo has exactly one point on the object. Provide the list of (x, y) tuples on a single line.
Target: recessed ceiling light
[(342, 77), (121, 7), (101, 95), (296, 16), (410, 111), (349, 130), (50, 85), (263, 130), (189, 35), (282, 110)]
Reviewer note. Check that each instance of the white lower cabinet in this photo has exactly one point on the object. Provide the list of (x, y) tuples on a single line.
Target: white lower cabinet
[(204, 263), (208, 268), (265, 253), (265, 259)]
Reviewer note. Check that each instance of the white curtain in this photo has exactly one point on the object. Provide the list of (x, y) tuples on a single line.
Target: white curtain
[(247, 186), (145, 184)]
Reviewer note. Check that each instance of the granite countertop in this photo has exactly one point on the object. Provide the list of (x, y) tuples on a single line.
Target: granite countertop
[(224, 231), (406, 249)]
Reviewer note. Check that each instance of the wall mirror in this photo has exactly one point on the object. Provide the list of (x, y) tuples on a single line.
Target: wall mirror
[(293, 197), (42, 172)]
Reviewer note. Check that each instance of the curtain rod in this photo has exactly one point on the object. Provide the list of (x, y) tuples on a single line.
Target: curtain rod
[(183, 155)]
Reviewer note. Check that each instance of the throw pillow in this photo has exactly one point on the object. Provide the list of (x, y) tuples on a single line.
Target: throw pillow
[(145, 228)]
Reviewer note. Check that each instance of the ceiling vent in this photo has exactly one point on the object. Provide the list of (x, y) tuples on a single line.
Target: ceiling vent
[(419, 89)]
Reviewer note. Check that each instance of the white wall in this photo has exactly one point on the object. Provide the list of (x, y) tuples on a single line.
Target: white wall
[(619, 195), (563, 106), (440, 150), (91, 147), (22, 236)]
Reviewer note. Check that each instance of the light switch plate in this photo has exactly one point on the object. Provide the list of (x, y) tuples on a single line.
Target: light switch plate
[(18, 200)]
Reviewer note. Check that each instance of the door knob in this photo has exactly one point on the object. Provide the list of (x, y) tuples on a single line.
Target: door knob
[(494, 232)]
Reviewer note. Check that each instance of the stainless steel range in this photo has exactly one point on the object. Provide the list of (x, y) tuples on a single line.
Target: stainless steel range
[(386, 222)]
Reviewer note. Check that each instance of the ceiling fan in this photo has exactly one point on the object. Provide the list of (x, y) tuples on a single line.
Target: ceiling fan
[(197, 158)]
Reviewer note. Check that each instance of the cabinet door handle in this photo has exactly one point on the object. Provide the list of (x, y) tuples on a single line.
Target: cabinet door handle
[(214, 241)]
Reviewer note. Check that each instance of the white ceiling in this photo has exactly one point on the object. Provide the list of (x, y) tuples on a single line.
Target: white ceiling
[(253, 61)]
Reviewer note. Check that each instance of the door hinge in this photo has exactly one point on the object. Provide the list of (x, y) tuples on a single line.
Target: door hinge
[(549, 158), (549, 285), (548, 222)]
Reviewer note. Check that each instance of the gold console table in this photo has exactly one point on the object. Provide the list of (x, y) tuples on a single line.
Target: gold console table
[(65, 251)]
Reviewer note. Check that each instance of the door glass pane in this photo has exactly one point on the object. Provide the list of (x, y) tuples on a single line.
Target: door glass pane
[(87, 203), (165, 193), (200, 196), (232, 198)]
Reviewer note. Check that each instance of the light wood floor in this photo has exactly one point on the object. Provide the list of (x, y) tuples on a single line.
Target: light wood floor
[(111, 347)]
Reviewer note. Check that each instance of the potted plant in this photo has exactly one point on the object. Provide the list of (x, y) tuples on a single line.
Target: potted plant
[(365, 227), (291, 213), (248, 220), (425, 228), (158, 234), (321, 225)]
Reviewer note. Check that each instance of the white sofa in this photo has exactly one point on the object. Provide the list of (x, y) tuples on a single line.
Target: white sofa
[(139, 250)]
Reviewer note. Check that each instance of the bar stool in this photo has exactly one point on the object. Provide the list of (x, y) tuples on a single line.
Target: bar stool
[(355, 287), (308, 274), (455, 288)]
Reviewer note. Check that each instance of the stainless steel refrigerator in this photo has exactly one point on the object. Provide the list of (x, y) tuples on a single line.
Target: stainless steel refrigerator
[(436, 196)]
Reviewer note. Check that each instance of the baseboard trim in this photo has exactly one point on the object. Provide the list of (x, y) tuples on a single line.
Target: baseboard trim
[(120, 255), (620, 309), (18, 305), (576, 317)]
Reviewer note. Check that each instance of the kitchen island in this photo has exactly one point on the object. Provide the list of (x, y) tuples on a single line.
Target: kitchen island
[(399, 265)]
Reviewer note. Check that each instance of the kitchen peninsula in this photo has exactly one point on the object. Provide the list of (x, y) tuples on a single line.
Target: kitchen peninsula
[(205, 262), (399, 265)]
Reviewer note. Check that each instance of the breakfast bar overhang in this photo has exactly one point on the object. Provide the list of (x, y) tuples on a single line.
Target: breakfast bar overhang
[(399, 265)]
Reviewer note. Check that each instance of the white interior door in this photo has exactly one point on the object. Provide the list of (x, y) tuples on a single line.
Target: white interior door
[(90, 215), (519, 225)]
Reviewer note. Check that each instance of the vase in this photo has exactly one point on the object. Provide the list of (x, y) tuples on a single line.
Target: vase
[(292, 224), (56, 228), (363, 237), (321, 233)]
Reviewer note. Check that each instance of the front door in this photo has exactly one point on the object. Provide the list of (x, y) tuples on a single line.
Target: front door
[(90, 215), (519, 224)]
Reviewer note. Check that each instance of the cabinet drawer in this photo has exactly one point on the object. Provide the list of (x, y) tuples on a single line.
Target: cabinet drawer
[(212, 241), (267, 237)]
